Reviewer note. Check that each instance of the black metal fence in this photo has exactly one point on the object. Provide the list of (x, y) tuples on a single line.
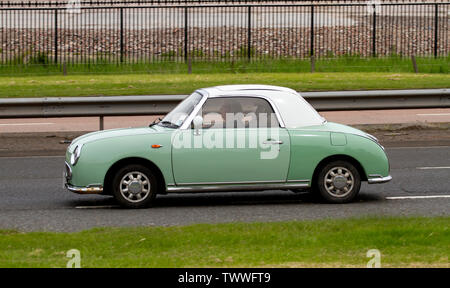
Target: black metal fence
[(135, 34), (52, 3)]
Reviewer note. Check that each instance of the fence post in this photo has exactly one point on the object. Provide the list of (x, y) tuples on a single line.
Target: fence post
[(186, 23), (311, 52), (56, 36), (436, 27), (249, 34), (189, 65), (374, 31), (121, 35), (414, 63)]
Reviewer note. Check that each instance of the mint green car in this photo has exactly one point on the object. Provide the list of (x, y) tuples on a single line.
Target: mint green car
[(228, 138)]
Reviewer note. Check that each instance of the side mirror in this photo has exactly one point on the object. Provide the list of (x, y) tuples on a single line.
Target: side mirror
[(198, 122)]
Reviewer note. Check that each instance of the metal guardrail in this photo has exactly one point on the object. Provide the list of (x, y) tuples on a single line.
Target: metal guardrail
[(162, 104), (379, 99), (88, 106)]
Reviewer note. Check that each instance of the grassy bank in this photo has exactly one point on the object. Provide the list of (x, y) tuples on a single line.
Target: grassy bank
[(392, 64), (403, 242), (147, 84)]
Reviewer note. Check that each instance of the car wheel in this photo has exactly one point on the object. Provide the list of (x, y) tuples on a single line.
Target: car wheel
[(134, 186), (338, 182)]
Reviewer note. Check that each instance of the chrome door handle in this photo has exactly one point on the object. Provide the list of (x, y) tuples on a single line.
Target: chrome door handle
[(273, 142)]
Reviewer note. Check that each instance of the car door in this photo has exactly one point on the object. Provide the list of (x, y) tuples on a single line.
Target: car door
[(240, 141)]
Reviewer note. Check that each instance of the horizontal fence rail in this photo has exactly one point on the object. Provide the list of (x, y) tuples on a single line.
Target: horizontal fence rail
[(162, 104), (222, 32), (51, 3)]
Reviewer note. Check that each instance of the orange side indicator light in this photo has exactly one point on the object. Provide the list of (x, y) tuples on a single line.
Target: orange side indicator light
[(156, 146)]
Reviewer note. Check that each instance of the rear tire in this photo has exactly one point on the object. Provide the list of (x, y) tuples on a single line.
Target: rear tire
[(134, 186), (338, 182)]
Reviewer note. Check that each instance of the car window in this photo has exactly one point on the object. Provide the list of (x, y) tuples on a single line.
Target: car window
[(238, 112), (295, 110)]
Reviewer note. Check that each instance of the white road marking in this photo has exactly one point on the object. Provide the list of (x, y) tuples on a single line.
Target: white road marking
[(434, 114), (417, 197), (97, 207), (26, 124), (429, 168)]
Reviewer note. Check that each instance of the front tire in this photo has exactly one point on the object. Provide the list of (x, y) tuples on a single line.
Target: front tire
[(338, 182), (134, 186)]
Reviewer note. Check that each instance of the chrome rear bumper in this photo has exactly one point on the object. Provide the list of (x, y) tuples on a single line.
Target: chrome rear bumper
[(379, 179)]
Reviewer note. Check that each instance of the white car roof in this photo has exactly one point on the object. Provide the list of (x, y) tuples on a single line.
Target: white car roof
[(230, 90), (293, 109)]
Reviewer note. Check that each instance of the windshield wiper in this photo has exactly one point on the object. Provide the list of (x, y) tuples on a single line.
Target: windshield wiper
[(154, 122), (168, 124)]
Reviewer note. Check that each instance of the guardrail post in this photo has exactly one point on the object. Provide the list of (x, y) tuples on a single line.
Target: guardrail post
[(101, 123), (374, 31), (56, 36), (121, 35), (249, 33), (311, 49), (436, 27)]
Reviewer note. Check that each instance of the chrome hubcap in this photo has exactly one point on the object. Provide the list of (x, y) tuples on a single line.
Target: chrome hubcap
[(339, 181), (135, 186)]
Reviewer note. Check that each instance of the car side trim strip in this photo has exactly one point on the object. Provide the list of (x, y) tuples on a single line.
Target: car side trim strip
[(228, 183), (298, 181), (237, 187)]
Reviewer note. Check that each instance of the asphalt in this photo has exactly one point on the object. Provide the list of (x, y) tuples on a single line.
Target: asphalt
[(33, 199)]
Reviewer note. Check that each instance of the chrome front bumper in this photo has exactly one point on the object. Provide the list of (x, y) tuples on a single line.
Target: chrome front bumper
[(90, 189), (378, 179), (85, 190)]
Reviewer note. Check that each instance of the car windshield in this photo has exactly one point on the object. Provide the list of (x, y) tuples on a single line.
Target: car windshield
[(178, 115)]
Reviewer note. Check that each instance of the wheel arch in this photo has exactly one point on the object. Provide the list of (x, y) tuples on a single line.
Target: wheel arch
[(133, 160), (342, 157)]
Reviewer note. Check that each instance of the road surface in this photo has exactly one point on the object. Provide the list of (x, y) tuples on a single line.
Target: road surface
[(32, 198)]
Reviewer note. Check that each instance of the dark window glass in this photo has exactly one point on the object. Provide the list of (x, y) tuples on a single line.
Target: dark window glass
[(238, 112)]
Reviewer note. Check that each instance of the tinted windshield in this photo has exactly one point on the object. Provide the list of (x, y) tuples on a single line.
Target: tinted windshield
[(183, 110)]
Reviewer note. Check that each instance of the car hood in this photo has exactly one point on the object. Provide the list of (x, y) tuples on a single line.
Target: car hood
[(111, 133)]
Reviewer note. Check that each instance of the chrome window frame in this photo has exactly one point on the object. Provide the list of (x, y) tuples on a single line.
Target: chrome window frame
[(187, 122), (206, 96)]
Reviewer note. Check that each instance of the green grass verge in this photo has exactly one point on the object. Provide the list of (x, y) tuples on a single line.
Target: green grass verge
[(403, 242), (266, 65), (148, 84)]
